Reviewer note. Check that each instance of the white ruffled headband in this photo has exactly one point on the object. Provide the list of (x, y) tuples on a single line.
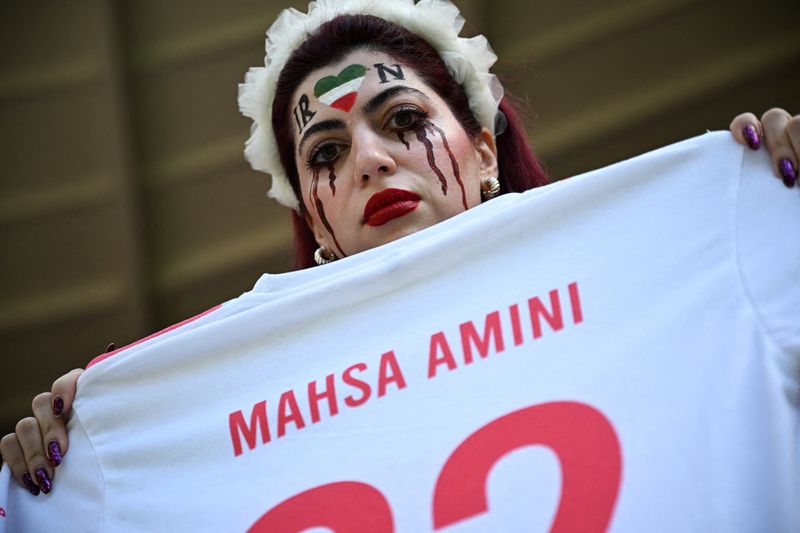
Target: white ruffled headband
[(437, 21)]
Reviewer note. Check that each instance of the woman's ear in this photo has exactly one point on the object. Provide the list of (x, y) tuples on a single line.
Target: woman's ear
[(487, 150)]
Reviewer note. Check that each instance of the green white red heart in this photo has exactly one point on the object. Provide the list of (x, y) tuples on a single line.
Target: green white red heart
[(340, 91)]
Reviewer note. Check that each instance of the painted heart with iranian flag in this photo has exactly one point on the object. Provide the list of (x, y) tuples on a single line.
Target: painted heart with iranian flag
[(340, 91)]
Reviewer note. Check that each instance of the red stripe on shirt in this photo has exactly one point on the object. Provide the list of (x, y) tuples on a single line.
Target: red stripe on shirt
[(153, 336)]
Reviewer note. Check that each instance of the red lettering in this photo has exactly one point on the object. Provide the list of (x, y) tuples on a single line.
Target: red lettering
[(575, 302), (363, 386), (314, 397), (343, 506), (239, 428), (584, 441), (469, 336), (553, 318), (439, 345), (289, 411), (516, 325), (389, 362)]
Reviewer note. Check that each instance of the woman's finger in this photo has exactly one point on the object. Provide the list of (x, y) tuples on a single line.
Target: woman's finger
[(15, 459), (30, 439), (746, 129), (793, 131), (52, 428), (63, 392), (784, 161)]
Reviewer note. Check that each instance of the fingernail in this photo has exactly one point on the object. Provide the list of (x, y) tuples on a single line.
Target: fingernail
[(55, 453), (750, 135), (111, 347), (787, 171), (28, 481), (43, 479), (58, 405)]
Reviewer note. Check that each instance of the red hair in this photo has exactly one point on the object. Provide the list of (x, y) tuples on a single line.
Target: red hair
[(519, 168)]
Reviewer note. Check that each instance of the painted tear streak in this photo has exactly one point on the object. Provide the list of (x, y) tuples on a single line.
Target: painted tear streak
[(403, 139), (454, 163), (423, 138), (331, 178), (317, 203)]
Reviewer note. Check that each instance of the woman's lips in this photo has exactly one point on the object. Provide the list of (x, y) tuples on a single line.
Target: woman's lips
[(388, 205)]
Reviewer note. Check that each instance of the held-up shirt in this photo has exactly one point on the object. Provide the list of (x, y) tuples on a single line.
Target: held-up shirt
[(616, 351)]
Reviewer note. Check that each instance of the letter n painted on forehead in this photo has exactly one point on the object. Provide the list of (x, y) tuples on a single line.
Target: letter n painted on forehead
[(383, 70), (302, 114)]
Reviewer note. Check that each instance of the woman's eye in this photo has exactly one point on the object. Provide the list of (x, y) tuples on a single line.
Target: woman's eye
[(328, 152), (325, 154), (403, 119), (406, 118)]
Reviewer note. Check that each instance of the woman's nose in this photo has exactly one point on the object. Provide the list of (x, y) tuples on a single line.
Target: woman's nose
[(372, 156)]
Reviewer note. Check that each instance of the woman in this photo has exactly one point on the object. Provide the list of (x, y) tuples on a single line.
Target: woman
[(368, 144)]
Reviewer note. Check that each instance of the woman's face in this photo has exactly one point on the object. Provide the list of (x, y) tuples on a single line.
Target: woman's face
[(380, 155)]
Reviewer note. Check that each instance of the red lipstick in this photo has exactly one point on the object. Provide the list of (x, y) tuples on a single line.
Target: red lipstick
[(389, 204)]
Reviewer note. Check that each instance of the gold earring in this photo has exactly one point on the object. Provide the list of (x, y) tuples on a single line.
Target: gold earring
[(490, 187), (323, 256)]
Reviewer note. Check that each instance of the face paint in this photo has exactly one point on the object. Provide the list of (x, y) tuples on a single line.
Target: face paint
[(340, 91), (403, 139), (422, 137), (454, 163), (383, 70), (302, 115), (331, 178), (317, 203)]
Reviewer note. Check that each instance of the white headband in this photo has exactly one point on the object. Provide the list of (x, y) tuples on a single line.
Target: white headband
[(437, 21)]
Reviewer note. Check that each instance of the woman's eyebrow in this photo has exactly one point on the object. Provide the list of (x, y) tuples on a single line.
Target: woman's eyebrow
[(378, 100), (325, 125)]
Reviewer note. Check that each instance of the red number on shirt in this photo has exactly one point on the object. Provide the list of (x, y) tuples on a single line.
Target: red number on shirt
[(583, 439), (344, 507)]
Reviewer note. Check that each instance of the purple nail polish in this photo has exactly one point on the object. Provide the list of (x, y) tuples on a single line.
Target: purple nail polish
[(787, 171), (43, 479), (55, 453), (58, 405), (28, 481), (750, 135)]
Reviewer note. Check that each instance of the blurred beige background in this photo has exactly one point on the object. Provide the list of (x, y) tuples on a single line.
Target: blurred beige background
[(126, 206)]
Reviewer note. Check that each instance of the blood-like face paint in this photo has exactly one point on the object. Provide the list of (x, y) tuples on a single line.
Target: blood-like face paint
[(454, 164), (403, 140), (317, 203), (340, 91), (422, 136)]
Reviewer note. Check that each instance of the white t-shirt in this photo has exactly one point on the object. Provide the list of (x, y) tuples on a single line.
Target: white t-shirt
[(619, 350)]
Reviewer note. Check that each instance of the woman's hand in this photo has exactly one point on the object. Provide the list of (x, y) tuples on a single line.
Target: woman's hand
[(781, 133), (40, 441)]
